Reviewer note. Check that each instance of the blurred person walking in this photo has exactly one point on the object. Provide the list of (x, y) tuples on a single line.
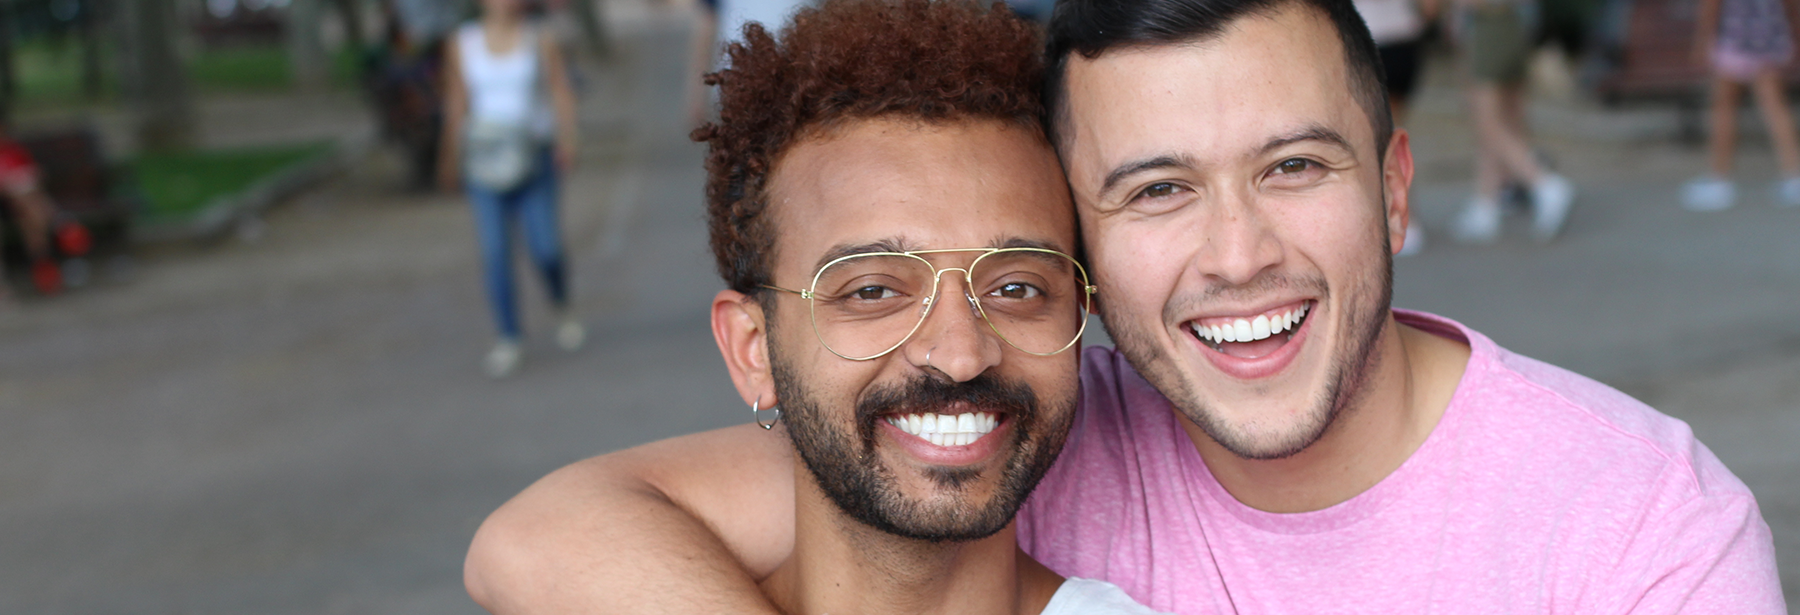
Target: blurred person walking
[(1496, 40), (511, 110), (1745, 42), (1399, 28)]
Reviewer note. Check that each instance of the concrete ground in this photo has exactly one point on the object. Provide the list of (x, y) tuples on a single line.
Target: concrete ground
[(300, 425)]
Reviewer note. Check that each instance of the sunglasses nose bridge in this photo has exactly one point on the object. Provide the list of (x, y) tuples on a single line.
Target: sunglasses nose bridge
[(968, 291)]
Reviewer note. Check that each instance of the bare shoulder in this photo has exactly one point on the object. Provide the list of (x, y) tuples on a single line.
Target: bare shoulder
[(736, 483)]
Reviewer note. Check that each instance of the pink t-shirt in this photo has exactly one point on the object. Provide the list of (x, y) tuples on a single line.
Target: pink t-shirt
[(1540, 491)]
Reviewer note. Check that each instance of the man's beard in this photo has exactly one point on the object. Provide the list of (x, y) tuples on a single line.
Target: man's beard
[(849, 469), (1344, 382)]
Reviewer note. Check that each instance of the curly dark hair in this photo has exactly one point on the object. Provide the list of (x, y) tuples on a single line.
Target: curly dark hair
[(929, 60)]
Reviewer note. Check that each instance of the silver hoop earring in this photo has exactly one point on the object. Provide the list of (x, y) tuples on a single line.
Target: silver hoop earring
[(756, 414)]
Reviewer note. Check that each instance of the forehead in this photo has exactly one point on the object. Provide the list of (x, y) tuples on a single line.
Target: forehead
[(918, 185), (1266, 75)]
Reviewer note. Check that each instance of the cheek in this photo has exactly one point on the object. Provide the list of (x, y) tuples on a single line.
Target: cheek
[(1137, 263), (1336, 231)]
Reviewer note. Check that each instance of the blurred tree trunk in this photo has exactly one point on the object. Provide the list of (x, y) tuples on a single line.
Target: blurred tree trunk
[(154, 80), (88, 30), (307, 59), (9, 83), (351, 11), (593, 25)]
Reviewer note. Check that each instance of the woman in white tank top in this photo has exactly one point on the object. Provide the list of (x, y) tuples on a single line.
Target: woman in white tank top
[(509, 126)]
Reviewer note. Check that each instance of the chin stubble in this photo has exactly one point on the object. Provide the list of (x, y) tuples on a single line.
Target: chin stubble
[(849, 469)]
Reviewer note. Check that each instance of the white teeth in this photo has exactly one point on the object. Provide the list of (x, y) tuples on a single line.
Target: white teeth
[(1242, 330), (947, 429)]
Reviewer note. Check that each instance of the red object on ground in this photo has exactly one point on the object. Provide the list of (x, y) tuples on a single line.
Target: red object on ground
[(47, 277), (73, 239)]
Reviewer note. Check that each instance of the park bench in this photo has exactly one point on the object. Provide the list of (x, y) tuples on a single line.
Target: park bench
[(78, 179)]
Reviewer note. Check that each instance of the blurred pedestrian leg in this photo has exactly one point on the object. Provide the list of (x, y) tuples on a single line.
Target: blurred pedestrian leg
[(533, 207), (1745, 42), (1497, 37), (509, 119)]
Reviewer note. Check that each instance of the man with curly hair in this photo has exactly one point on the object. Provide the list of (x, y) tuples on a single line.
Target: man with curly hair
[(1270, 435), (890, 219)]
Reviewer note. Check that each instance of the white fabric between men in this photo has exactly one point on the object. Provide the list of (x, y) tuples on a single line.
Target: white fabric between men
[(505, 88), (1093, 597)]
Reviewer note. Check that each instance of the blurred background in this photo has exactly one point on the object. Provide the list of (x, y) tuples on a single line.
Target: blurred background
[(244, 373)]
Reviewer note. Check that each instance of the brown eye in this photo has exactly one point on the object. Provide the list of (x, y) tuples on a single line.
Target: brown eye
[(1017, 290), (1294, 166), (874, 293), (1160, 190)]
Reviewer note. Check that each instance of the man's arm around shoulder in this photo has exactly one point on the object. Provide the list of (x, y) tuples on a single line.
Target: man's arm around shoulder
[(683, 525)]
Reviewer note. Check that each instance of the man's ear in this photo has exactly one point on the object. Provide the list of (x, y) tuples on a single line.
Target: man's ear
[(738, 326), (1396, 184)]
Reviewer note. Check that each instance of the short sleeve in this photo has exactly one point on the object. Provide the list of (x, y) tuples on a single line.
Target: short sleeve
[(1711, 554)]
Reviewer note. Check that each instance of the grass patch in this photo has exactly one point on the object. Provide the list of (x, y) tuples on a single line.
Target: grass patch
[(260, 68), (49, 70), (241, 68), (177, 185)]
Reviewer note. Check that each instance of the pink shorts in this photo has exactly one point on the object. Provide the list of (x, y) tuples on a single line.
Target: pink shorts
[(1740, 66)]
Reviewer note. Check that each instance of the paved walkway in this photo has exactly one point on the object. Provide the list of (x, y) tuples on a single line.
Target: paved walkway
[(300, 425)]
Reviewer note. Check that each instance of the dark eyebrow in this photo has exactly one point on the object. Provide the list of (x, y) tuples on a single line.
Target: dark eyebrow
[(1314, 132), (1165, 161), (891, 244), (897, 244), (1020, 242)]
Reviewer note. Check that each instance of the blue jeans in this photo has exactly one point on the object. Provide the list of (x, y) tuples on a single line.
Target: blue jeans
[(533, 206)]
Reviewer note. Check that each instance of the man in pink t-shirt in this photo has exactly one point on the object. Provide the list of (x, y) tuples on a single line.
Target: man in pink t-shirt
[(1540, 491), (1269, 437)]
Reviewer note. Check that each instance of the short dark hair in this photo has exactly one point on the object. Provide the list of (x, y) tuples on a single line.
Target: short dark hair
[(1093, 27), (926, 60)]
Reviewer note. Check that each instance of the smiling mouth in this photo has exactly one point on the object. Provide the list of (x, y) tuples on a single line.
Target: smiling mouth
[(946, 430), (1250, 338)]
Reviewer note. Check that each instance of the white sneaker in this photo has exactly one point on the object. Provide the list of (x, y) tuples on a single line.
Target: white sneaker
[(1479, 222), (503, 360), (1789, 192), (571, 334), (1710, 193), (1551, 198), (1415, 240)]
